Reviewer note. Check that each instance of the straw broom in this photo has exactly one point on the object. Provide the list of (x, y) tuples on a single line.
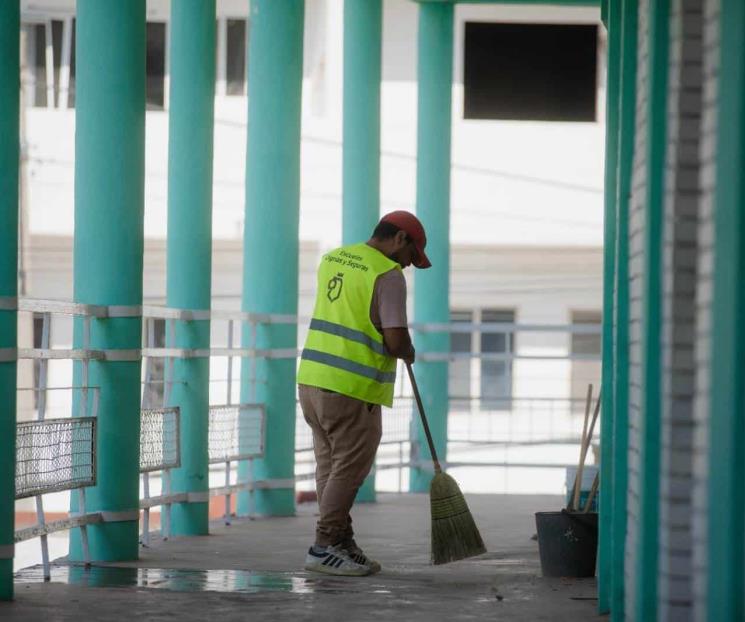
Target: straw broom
[(454, 532)]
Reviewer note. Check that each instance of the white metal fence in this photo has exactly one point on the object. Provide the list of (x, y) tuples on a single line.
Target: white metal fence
[(478, 428)]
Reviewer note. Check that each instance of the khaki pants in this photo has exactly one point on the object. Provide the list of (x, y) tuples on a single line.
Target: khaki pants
[(346, 434)]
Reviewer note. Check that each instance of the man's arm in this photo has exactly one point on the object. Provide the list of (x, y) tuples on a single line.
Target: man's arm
[(398, 343), (390, 303)]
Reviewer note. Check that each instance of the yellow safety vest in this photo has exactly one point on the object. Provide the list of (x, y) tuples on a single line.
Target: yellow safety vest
[(344, 352)]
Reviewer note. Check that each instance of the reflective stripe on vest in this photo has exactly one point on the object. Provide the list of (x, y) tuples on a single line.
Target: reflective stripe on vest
[(348, 333), (347, 365)]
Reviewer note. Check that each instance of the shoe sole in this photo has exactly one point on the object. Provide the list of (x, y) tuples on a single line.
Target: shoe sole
[(363, 572)]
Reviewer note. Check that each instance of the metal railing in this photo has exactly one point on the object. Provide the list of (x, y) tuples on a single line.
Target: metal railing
[(59, 455), (55, 455), (236, 431), (487, 434), (160, 450), (52, 456)]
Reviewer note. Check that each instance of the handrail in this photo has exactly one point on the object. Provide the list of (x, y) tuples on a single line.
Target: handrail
[(247, 350)]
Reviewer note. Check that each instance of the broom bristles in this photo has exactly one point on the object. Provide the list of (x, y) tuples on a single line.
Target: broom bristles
[(454, 532)]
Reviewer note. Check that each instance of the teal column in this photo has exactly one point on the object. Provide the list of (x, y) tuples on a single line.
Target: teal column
[(270, 262), (109, 190), (613, 22), (620, 429), (651, 419), (190, 132), (363, 28), (725, 590), (9, 155), (431, 294)]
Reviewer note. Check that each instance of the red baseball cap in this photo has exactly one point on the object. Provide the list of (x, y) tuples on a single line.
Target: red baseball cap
[(406, 221)]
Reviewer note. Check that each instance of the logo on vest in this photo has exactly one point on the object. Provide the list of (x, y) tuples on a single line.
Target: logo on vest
[(333, 290)]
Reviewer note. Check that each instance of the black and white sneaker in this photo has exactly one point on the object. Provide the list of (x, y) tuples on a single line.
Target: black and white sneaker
[(334, 560), (358, 555)]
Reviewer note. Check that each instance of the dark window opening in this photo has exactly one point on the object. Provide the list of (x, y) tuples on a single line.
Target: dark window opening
[(496, 375), (235, 66), (156, 65), (56, 54), (71, 87), (39, 65), (587, 371), (36, 55), (154, 389), (459, 369), (39, 342), (539, 72)]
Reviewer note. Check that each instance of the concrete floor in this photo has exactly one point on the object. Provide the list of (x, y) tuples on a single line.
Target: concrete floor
[(253, 570)]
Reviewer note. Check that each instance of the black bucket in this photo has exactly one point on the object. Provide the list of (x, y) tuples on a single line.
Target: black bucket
[(567, 543)]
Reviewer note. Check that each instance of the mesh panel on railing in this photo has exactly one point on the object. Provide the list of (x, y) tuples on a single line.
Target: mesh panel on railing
[(236, 432), (159, 439), (54, 455)]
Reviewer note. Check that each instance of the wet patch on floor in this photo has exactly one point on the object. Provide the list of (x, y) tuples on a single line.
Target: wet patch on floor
[(186, 580)]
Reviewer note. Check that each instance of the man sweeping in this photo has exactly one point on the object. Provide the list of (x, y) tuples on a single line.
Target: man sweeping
[(347, 371)]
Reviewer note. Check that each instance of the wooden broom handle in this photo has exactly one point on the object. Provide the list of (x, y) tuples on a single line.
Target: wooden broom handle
[(574, 499), (585, 448), (438, 468), (593, 492)]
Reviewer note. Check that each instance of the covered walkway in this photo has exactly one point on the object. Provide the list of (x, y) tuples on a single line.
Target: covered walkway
[(259, 563), (672, 503)]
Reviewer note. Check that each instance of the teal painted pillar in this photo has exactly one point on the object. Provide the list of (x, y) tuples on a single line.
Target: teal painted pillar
[(613, 21), (651, 419), (725, 590), (270, 262), (363, 28), (9, 156), (432, 290), (190, 133), (620, 431), (109, 190)]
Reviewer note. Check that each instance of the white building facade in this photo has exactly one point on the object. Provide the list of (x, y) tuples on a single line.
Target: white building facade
[(526, 199)]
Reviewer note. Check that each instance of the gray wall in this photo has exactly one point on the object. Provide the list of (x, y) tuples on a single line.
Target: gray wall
[(679, 309), (703, 302), (637, 229)]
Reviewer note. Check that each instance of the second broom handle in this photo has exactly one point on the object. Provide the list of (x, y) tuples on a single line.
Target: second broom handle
[(418, 398)]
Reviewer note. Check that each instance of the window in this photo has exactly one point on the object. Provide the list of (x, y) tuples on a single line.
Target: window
[(496, 375), (71, 86), (156, 65), (235, 65), (37, 64), (43, 55), (542, 72), (585, 372), (41, 341), (155, 366), (231, 45), (46, 48), (459, 370)]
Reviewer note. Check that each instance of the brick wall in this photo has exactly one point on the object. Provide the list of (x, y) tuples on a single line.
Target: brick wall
[(679, 308), (703, 303), (637, 227)]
